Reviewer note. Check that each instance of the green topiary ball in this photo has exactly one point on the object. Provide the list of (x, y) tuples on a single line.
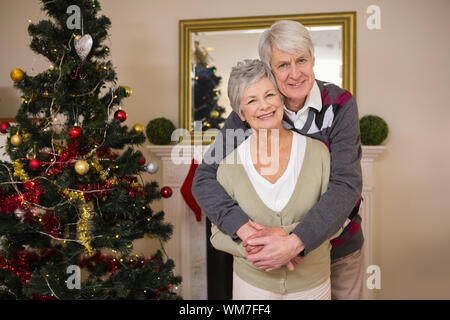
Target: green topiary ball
[(374, 130), (159, 131)]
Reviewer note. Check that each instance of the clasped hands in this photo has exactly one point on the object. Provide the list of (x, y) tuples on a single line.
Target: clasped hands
[(269, 248)]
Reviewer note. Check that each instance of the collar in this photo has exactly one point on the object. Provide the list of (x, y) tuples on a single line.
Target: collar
[(313, 100)]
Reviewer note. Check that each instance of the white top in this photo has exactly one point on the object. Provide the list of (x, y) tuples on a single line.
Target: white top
[(313, 100), (275, 195)]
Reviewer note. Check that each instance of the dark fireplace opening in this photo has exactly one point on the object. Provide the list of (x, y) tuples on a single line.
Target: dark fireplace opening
[(219, 270)]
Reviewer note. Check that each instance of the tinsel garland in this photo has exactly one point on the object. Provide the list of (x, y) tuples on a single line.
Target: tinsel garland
[(51, 224), (97, 190), (19, 172), (64, 159), (22, 201), (98, 259), (83, 223), (19, 264)]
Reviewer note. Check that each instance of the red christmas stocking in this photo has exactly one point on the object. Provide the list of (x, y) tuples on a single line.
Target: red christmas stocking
[(186, 191)]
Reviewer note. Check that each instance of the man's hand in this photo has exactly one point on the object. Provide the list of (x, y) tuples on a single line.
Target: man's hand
[(277, 251), (262, 231)]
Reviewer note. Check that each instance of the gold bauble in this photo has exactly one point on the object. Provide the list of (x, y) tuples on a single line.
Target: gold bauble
[(138, 128), (17, 75), (128, 91), (16, 140), (81, 167), (214, 114)]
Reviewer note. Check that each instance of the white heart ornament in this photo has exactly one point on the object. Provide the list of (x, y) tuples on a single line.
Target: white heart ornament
[(83, 46)]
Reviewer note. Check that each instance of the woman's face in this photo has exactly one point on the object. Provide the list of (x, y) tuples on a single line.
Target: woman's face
[(261, 105), (294, 74)]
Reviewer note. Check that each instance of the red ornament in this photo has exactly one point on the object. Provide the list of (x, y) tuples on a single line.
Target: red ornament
[(35, 164), (120, 115), (141, 161), (75, 132), (4, 126), (166, 192)]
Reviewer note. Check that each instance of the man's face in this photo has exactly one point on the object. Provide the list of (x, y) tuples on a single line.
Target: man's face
[(294, 74)]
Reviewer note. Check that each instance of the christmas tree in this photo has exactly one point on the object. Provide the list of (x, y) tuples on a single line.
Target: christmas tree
[(205, 92), (72, 200)]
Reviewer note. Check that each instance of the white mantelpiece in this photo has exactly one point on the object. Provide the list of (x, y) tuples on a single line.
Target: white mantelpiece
[(187, 246), (369, 154)]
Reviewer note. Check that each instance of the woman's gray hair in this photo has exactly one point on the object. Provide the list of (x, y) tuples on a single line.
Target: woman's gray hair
[(244, 74), (286, 35)]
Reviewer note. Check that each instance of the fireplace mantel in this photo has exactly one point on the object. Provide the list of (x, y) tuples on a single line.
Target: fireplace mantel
[(187, 246)]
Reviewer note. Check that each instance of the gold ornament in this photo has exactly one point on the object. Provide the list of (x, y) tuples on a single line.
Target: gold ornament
[(128, 91), (81, 167), (138, 128), (17, 75), (214, 114), (16, 140)]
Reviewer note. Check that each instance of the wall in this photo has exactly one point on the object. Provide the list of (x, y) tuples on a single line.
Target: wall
[(402, 76)]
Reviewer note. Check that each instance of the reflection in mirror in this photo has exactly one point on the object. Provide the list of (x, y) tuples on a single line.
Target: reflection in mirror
[(216, 52)]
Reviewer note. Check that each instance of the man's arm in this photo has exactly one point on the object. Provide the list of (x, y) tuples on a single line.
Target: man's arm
[(221, 209), (223, 242), (345, 184)]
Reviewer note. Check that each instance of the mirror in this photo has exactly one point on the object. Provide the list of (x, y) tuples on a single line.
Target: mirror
[(209, 48)]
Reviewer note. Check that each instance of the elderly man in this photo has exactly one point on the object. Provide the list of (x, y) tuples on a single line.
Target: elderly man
[(319, 110)]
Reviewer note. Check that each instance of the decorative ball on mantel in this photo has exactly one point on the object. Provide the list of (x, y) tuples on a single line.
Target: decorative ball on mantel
[(374, 130), (159, 131)]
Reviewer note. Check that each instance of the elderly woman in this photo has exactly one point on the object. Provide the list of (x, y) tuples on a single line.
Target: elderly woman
[(276, 190), (319, 110)]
